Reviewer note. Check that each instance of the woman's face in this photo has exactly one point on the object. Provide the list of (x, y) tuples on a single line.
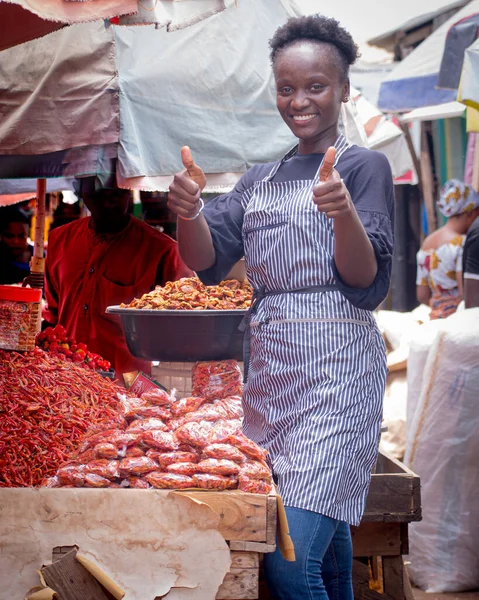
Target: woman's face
[(309, 93)]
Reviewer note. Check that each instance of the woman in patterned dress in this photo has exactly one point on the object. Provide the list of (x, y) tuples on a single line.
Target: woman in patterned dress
[(439, 261), (318, 255)]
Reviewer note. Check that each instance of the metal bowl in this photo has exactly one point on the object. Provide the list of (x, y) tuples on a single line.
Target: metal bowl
[(182, 335)]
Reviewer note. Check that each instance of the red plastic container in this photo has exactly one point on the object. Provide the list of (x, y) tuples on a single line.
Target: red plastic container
[(19, 317)]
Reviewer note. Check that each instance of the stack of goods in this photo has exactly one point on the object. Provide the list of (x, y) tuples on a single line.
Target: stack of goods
[(193, 442), (47, 405), (19, 317), (190, 294), (57, 342)]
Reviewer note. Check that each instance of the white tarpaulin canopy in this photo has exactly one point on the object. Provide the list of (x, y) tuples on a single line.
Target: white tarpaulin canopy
[(94, 98), (470, 76)]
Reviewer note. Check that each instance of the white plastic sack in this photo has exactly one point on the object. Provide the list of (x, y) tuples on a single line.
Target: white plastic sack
[(393, 441), (443, 449)]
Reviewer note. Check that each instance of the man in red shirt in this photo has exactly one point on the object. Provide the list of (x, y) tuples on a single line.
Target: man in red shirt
[(103, 260)]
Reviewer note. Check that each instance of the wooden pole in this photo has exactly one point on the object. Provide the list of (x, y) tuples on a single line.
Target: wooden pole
[(475, 168), (37, 263), (412, 152), (427, 182)]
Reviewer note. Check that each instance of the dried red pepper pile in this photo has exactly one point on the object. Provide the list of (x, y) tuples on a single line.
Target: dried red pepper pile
[(46, 407)]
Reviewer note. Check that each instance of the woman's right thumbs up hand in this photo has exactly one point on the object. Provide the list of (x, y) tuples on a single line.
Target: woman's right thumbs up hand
[(185, 190)]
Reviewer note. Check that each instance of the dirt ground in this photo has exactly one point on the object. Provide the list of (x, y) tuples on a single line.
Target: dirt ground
[(420, 595)]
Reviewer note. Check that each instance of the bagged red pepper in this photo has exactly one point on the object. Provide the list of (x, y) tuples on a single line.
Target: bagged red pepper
[(161, 440), (168, 458), (254, 486), (215, 466), (183, 468), (215, 380), (104, 468), (158, 397), (225, 451), (93, 480), (134, 451), (208, 412), (72, 475), (146, 412), (131, 405), (51, 482), (247, 446), (206, 481), (137, 482), (169, 481), (186, 405), (232, 406), (223, 430), (140, 425), (256, 470), (194, 434), (105, 450), (137, 465)]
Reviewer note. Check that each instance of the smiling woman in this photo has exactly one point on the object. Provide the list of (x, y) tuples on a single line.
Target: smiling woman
[(318, 254)]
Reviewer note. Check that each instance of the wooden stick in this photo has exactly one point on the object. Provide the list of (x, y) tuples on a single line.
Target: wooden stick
[(427, 182), (39, 246), (475, 168)]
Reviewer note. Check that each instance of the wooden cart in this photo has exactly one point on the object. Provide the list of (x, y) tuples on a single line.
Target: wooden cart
[(248, 523), (381, 540)]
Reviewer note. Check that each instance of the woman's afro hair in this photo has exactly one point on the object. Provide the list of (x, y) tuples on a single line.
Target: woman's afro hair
[(317, 28)]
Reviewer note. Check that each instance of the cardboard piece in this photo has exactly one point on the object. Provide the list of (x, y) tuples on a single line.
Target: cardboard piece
[(151, 543)]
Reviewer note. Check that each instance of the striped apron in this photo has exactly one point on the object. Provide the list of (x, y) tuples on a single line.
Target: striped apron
[(317, 369)]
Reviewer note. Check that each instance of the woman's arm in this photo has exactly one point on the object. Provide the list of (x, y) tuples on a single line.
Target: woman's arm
[(194, 238), (353, 252), (423, 294)]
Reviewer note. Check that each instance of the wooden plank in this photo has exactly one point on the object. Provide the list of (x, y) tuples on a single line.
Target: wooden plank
[(393, 498), (243, 546), (387, 463), (361, 583), (239, 584), (244, 560), (393, 576), (376, 539), (71, 580), (242, 515), (59, 552), (404, 539), (271, 519)]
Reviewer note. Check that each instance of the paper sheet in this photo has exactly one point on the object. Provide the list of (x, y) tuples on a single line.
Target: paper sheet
[(148, 542)]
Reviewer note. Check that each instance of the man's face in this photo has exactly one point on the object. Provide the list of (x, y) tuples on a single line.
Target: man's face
[(15, 237), (108, 207)]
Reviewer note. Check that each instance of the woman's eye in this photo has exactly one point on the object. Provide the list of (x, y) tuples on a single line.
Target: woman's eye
[(317, 87), (285, 90)]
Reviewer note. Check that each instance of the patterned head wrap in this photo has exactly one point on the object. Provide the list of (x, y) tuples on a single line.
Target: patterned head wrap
[(456, 198)]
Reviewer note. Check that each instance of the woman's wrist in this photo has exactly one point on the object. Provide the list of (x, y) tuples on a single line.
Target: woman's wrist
[(195, 212)]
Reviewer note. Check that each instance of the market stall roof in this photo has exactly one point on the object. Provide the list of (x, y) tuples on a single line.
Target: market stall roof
[(413, 83), (431, 113), (387, 39)]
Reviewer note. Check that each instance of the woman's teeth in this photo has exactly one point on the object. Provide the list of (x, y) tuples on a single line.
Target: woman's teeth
[(303, 117)]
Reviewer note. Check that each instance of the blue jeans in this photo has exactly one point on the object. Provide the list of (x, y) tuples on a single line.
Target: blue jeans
[(324, 560)]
